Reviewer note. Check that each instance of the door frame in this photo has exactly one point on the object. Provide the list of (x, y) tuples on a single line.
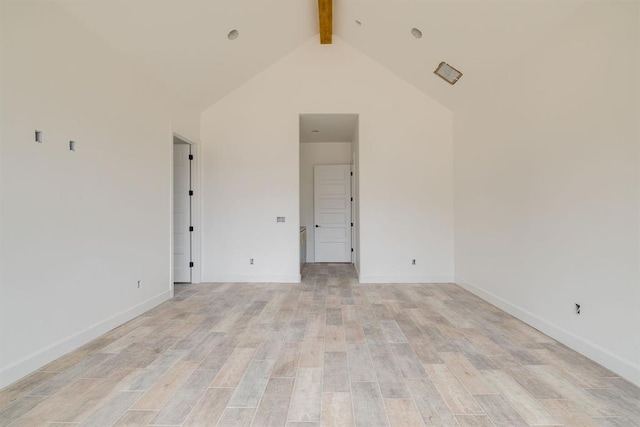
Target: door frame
[(352, 184), (196, 236)]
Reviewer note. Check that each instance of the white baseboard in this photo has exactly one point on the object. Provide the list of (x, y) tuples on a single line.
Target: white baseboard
[(406, 279), (620, 366), (37, 360), (254, 279)]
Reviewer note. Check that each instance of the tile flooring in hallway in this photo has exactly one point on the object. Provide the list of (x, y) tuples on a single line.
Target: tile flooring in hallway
[(325, 352)]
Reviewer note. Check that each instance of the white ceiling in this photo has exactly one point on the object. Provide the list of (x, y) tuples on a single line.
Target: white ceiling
[(478, 37), (330, 127), (184, 44)]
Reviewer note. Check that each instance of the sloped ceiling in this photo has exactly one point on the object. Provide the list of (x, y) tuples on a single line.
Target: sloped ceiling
[(184, 44), (478, 37)]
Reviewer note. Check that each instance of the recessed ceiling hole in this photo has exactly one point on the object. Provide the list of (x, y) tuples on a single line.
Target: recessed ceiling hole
[(358, 22), (233, 34), (416, 33)]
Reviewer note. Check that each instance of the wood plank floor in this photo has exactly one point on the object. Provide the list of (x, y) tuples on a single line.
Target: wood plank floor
[(325, 352)]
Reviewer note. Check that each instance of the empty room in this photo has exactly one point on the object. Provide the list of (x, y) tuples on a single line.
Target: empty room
[(320, 213)]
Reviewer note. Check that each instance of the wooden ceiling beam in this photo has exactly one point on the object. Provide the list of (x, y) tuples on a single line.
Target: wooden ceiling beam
[(325, 14)]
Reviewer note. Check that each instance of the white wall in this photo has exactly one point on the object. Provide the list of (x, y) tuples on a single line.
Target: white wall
[(79, 229), (546, 187), (316, 153), (250, 155)]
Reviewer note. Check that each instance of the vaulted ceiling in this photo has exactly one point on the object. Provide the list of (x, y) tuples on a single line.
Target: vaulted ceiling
[(184, 44)]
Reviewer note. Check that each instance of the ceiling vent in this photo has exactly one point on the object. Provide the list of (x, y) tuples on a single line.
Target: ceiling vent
[(448, 73)]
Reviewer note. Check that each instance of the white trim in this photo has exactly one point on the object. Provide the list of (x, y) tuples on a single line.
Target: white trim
[(620, 366), (171, 243), (255, 279), (40, 358), (405, 279), (357, 270)]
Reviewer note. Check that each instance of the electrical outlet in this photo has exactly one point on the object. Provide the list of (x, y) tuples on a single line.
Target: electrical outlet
[(413, 262), (139, 283), (251, 261), (577, 309), (280, 219), (39, 136), (72, 146)]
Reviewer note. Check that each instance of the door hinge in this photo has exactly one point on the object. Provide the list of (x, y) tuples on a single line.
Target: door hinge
[(351, 173), (190, 156), (191, 192), (351, 249), (191, 264), (352, 224), (352, 199), (191, 228)]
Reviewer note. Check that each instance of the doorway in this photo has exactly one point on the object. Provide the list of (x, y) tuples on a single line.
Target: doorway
[(183, 209), (328, 186)]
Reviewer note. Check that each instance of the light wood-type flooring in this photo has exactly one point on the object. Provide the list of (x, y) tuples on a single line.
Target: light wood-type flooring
[(328, 352)]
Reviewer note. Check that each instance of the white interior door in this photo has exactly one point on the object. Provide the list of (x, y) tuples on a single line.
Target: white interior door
[(181, 213), (332, 212)]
